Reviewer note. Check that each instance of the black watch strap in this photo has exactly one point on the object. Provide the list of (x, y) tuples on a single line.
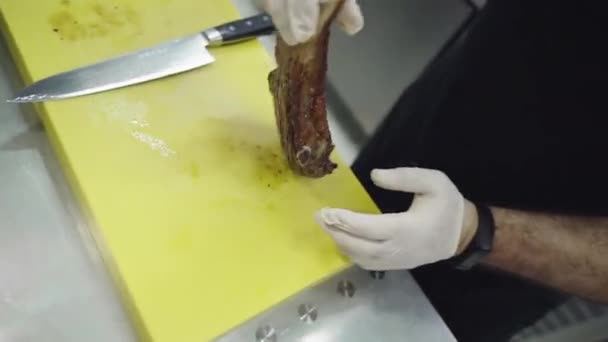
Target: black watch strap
[(482, 242)]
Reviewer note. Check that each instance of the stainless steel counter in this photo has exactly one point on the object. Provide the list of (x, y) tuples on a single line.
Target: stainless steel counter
[(54, 287)]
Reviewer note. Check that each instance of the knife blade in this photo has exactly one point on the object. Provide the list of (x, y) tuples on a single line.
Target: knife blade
[(162, 60)]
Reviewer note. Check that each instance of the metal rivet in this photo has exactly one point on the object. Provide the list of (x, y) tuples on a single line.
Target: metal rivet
[(248, 23), (377, 274), (307, 312), (346, 288), (266, 333), (231, 28)]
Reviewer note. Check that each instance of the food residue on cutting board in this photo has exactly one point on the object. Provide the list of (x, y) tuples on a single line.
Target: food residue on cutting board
[(244, 148), (88, 20), (154, 143)]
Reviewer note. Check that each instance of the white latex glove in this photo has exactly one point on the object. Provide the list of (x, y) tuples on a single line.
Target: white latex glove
[(296, 20), (429, 231)]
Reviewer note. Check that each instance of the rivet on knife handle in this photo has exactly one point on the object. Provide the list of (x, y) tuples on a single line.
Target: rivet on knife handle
[(241, 29)]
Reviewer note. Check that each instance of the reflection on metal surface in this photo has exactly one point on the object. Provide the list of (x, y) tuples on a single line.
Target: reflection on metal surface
[(377, 274), (266, 333), (214, 37), (307, 312), (346, 288), (388, 309)]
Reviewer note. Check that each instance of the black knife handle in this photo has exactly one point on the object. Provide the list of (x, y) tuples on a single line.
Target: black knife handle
[(240, 29)]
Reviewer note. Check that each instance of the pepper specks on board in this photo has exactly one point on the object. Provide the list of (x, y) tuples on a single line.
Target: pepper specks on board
[(246, 150), (90, 20)]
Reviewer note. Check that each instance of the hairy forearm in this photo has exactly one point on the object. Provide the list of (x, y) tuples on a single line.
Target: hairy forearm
[(565, 252)]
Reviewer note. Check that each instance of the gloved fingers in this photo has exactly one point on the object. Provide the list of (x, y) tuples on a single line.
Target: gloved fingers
[(381, 262), (295, 20), (375, 227), (261, 5), (277, 9), (304, 16), (356, 248), (409, 179), (350, 18)]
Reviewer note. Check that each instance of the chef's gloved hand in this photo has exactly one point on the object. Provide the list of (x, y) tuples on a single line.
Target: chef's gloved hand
[(296, 20), (439, 223)]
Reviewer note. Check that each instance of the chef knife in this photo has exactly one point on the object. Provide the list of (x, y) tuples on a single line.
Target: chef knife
[(165, 59)]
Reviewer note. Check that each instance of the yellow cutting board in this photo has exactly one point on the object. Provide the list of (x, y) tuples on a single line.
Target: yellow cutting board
[(200, 219)]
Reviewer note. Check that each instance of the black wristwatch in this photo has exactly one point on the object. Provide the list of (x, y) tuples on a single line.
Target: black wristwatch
[(482, 242)]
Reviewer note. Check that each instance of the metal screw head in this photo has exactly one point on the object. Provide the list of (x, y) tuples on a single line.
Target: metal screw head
[(346, 288), (266, 333), (307, 312), (377, 274)]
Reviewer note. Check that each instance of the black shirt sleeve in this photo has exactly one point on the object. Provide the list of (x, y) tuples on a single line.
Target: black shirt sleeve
[(515, 113)]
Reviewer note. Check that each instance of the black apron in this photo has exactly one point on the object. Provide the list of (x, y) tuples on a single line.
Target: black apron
[(516, 115)]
